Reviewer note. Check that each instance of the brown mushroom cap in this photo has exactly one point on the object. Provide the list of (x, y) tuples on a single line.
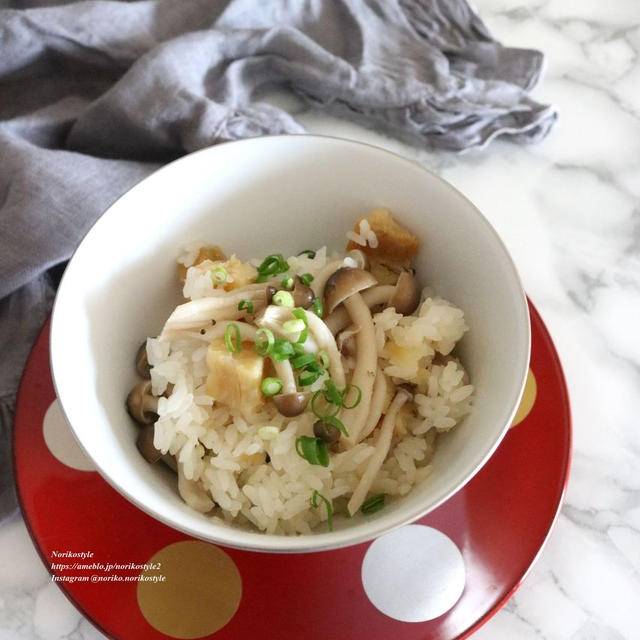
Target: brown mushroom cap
[(141, 404), (326, 432), (145, 446), (142, 364), (291, 404), (406, 295), (344, 283), (302, 294)]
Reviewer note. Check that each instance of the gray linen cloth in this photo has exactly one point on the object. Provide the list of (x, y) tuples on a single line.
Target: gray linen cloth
[(96, 95)]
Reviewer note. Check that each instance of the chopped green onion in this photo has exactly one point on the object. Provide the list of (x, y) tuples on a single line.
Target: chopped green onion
[(373, 504), (332, 393), (306, 279), (283, 299), (317, 307), (303, 360), (308, 252), (294, 326), (313, 450), (300, 314), (282, 349), (298, 348), (271, 266), (218, 275), (287, 283), (338, 424), (327, 503), (271, 387), (324, 359), (245, 304), (315, 401), (264, 347), (268, 433), (309, 376), (234, 345), (345, 393)]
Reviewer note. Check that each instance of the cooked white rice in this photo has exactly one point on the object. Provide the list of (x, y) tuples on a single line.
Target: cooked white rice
[(222, 457)]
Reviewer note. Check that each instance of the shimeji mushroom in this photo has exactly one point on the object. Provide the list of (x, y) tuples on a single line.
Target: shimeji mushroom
[(404, 296), (223, 305), (380, 452), (344, 287), (144, 442), (355, 258), (192, 493), (290, 400), (378, 399), (142, 363), (142, 404)]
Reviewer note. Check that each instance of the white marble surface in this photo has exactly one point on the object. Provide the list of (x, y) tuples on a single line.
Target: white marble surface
[(569, 211)]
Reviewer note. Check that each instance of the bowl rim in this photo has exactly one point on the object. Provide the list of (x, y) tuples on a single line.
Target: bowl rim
[(314, 542)]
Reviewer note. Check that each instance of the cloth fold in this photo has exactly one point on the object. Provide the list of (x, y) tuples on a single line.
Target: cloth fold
[(95, 95)]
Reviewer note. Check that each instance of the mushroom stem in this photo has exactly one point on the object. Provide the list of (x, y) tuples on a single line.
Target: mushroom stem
[(285, 373), (141, 404), (338, 319), (326, 341), (324, 274), (192, 493), (378, 398), (199, 313), (364, 372), (380, 453)]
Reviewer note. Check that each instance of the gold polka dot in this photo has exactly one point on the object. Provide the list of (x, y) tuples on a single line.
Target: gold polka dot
[(61, 441), (528, 398), (199, 595)]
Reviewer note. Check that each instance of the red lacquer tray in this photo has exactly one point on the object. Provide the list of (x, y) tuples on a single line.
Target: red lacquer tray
[(498, 522)]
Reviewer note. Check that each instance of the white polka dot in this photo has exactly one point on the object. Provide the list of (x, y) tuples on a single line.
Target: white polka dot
[(61, 442), (413, 574)]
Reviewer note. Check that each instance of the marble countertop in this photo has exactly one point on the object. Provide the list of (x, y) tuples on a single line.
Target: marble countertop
[(568, 211)]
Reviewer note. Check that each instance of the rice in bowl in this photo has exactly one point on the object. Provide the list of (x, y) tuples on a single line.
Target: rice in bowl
[(213, 419)]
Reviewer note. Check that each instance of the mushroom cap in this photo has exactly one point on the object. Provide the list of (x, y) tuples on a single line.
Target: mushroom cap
[(302, 294), (291, 404), (406, 295), (344, 283), (145, 446), (142, 364), (140, 402)]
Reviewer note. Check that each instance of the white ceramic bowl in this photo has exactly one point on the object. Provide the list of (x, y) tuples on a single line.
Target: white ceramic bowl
[(258, 196)]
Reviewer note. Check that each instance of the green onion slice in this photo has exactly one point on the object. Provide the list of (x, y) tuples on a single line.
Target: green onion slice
[(373, 504), (234, 345), (282, 349), (358, 397), (283, 299), (245, 304), (301, 316), (306, 279), (302, 360), (338, 424), (287, 283), (317, 307), (293, 326), (313, 450), (315, 497), (218, 275), (271, 266), (308, 252), (324, 359), (317, 407), (264, 346), (332, 393), (308, 376), (271, 386)]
